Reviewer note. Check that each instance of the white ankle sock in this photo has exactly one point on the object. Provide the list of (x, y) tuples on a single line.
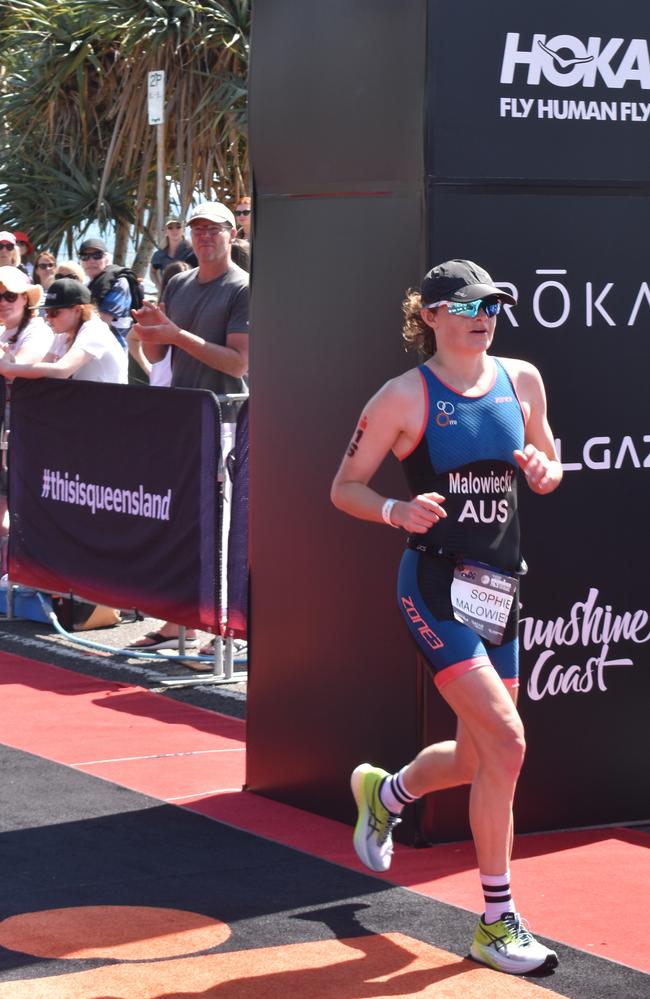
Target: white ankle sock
[(498, 899), (393, 795)]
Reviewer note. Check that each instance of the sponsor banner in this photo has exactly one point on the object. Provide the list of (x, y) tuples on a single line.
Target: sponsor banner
[(237, 621), (558, 93), (113, 496)]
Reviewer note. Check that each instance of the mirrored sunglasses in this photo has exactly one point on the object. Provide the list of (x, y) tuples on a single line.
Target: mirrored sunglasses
[(491, 307), (94, 255), (45, 267), (9, 296)]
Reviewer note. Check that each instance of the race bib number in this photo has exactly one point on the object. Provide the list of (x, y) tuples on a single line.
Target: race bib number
[(482, 599)]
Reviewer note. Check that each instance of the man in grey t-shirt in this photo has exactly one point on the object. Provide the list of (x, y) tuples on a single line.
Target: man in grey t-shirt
[(212, 310), (205, 314), (204, 318)]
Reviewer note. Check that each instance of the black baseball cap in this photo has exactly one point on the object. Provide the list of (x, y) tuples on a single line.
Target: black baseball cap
[(93, 244), (66, 292), (460, 281)]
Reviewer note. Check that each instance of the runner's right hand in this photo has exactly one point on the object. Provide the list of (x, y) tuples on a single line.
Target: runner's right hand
[(420, 514)]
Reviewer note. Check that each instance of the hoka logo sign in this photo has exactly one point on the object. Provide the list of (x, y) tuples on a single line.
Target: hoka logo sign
[(567, 61)]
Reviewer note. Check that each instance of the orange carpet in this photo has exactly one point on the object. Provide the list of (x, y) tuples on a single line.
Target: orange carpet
[(157, 955)]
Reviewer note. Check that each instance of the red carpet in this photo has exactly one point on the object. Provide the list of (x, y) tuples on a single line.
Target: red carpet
[(194, 757)]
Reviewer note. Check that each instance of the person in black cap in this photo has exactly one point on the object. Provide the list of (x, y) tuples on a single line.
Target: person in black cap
[(462, 424), (84, 348), (114, 289)]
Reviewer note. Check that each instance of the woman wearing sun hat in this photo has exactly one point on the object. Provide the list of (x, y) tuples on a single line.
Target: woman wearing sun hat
[(24, 335), (83, 347)]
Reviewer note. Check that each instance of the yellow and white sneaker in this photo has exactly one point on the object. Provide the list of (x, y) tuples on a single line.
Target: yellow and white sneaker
[(508, 946), (373, 833)]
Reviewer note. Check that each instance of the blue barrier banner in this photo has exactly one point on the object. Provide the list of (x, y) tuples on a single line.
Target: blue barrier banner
[(113, 496), (237, 621)]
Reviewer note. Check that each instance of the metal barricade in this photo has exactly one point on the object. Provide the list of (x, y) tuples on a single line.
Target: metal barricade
[(223, 660)]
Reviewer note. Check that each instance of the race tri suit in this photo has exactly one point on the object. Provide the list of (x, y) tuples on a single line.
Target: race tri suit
[(465, 453)]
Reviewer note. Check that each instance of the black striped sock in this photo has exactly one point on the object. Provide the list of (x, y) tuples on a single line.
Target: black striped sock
[(498, 898), (393, 795)]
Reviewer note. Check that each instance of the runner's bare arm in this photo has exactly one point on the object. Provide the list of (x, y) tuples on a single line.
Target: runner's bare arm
[(379, 430), (538, 460)]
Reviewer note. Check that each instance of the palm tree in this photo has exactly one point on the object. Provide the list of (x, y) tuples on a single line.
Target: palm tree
[(77, 144)]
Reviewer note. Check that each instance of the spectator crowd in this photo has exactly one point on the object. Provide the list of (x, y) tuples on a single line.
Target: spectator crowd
[(90, 320)]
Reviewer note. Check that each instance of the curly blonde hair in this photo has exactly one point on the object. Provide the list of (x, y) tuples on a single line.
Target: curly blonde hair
[(415, 332)]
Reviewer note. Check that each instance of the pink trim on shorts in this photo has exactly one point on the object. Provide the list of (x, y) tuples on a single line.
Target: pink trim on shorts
[(450, 673), (511, 682)]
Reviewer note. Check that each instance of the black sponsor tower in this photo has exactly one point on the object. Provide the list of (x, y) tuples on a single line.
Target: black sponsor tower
[(386, 138)]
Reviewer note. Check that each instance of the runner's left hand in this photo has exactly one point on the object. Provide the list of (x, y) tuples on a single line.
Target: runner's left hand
[(542, 473)]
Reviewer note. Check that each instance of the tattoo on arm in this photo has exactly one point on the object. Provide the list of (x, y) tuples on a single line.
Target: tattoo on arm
[(356, 440)]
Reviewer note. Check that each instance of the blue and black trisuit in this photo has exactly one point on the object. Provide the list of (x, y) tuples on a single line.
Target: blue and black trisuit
[(465, 453)]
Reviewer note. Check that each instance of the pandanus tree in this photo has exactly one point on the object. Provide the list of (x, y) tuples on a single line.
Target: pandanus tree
[(76, 144)]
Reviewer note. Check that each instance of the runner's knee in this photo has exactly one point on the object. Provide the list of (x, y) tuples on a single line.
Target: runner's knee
[(507, 748)]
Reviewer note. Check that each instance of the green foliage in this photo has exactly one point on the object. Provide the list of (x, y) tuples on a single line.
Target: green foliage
[(77, 146)]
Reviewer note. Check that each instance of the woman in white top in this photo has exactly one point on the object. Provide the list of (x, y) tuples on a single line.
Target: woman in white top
[(23, 334), (83, 348), (24, 337)]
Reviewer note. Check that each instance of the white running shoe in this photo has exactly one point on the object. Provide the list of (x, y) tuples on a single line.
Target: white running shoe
[(373, 833), (508, 946)]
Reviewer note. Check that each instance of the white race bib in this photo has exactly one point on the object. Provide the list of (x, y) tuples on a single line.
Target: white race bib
[(482, 598)]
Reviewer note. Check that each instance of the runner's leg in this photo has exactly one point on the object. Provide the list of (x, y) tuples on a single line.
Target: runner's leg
[(485, 707)]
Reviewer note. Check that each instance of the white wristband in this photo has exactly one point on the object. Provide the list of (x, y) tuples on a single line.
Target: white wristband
[(386, 511)]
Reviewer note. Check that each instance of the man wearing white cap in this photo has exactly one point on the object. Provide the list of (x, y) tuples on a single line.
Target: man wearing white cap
[(204, 317)]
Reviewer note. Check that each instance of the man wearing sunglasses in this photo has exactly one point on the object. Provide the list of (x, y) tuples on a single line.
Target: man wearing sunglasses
[(463, 424), (114, 289)]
